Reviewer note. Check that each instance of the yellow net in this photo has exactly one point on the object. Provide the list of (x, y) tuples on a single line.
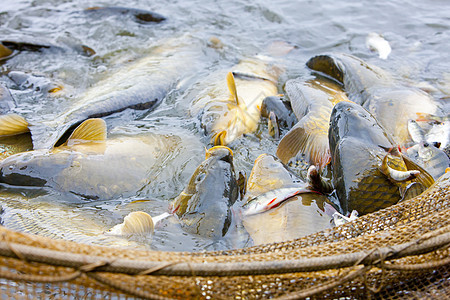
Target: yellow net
[(396, 253)]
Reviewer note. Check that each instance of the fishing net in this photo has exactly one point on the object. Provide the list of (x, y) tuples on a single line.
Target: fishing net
[(395, 253)]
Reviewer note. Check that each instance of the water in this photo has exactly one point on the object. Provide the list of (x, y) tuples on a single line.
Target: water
[(418, 32)]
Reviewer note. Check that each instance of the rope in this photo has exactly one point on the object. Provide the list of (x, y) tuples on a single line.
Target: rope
[(133, 267)]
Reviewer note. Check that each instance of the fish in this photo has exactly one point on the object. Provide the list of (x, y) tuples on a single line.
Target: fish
[(90, 166), (140, 85), (229, 110), (425, 154), (204, 206), (369, 172), (296, 211), (16, 46), (312, 102), (140, 15), (279, 114), (376, 42), (390, 101), (10, 145), (45, 217)]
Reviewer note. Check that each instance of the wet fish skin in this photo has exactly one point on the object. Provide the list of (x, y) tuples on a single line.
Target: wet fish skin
[(139, 85), (312, 102), (224, 116), (296, 216), (358, 144), (96, 169), (391, 102), (203, 207)]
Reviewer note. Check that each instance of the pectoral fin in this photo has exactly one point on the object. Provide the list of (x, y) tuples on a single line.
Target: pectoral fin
[(12, 124), (4, 51), (298, 140), (89, 130), (272, 124)]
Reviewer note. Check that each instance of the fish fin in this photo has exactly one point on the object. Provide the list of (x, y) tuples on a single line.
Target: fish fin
[(317, 182), (424, 177), (242, 183), (272, 125), (218, 139), (232, 87), (309, 142), (137, 222), (4, 51), (412, 190), (12, 124), (160, 217), (90, 130)]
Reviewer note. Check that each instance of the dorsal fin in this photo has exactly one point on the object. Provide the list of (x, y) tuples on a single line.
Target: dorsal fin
[(12, 124), (232, 87), (89, 130)]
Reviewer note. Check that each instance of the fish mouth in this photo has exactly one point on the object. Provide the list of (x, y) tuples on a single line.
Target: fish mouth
[(223, 151)]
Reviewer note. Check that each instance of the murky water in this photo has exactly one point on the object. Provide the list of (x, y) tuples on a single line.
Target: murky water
[(418, 31)]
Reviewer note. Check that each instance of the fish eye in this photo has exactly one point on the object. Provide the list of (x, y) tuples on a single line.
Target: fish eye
[(12, 167), (200, 177), (426, 144), (437, 144)]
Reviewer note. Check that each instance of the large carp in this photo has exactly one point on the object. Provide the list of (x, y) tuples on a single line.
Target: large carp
[(392, 103), (229, 108), (304, 213), (369, 173), (141, 84), (93, 167), (312, 102), (60, 221), (204, 206)]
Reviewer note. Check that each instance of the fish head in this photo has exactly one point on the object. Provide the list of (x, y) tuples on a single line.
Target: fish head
[(352, 120), (203, 207), (32, 168)]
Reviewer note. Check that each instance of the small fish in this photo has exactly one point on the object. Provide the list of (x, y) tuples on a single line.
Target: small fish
[(279, 206), (426, 154), (35, 47), (312, 102), (204, 206), (375, 42), (271, 199), (227, 111), (396, 175)]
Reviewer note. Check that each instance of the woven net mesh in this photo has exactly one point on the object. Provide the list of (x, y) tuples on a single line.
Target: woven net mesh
[(396, 253)]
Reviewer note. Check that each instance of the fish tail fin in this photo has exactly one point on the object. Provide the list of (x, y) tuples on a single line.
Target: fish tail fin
[(137, 222), (12, 124)]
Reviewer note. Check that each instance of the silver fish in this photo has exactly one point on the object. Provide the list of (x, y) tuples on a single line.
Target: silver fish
[(140, 85)]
